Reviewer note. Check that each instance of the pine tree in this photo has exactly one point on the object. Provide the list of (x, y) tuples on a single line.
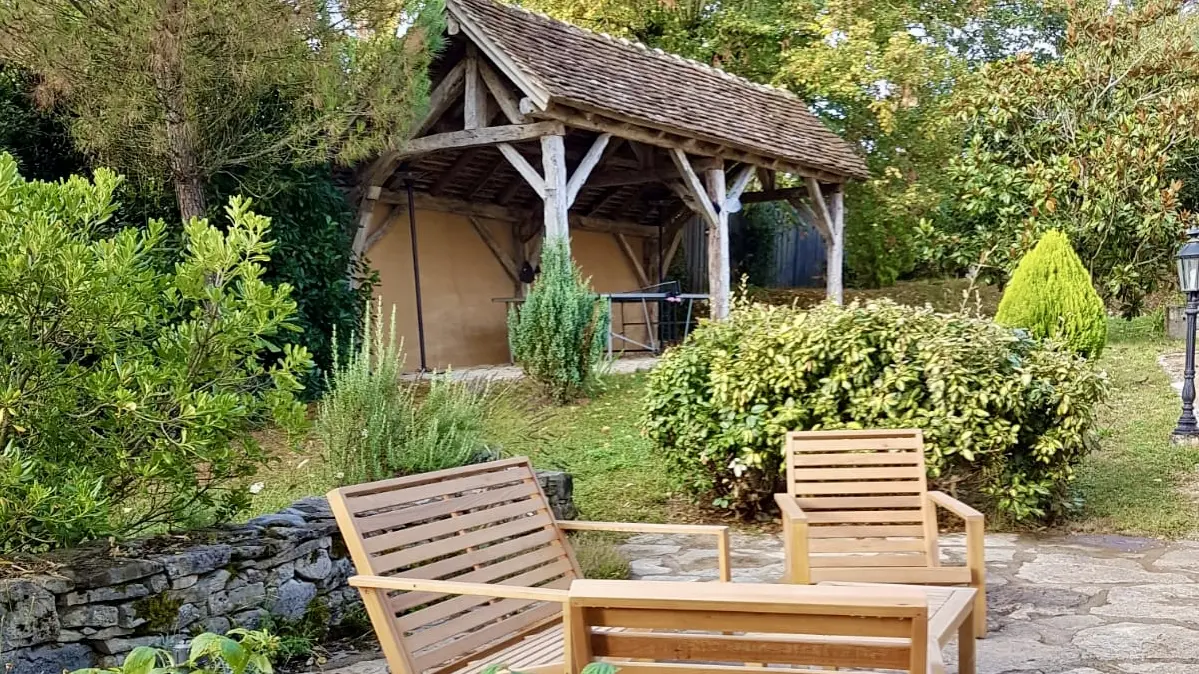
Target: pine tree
[(557, 335), (1051, 295)]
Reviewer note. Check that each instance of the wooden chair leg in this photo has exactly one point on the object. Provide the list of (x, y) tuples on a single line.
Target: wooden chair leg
[(966, 646), (980, 612)]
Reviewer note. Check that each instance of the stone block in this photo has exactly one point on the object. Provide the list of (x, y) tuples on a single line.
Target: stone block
[(204, 588), (291, 599), (288, 554), (216, 624), (100, 570), (46, 659), (315, 567), (278, 520), (559, 490), (231, 601), (197, 560), (122, 645), (107, 594), (90, 615), (129, 618), (189, 614), (251, 619), (28, 615), (184, 582)]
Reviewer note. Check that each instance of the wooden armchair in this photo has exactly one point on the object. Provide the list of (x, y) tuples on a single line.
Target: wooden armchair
[(857, 508), (465, 567), (645, 627)]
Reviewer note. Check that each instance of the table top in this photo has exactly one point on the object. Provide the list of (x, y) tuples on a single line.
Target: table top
[(948, 607)]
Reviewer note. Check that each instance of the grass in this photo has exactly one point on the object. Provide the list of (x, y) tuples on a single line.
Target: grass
[(617, 475), (598, 555), (1137, 482)]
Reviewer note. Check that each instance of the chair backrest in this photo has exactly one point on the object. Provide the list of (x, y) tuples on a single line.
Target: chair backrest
[(862, 492), (646, 627), (486, 523)]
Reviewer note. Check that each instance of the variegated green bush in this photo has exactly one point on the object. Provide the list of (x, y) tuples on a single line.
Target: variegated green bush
[(1005, 417)]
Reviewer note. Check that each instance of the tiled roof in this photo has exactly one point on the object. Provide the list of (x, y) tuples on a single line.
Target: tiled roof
[(581, 67)]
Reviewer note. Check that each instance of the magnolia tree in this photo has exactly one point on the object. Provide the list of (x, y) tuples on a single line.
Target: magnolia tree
[(133, 370)]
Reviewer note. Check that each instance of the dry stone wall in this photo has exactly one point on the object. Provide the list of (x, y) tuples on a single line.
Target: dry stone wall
[(90, 606)]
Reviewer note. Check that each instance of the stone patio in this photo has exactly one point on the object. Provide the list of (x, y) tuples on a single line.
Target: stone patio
[(1068, 605)]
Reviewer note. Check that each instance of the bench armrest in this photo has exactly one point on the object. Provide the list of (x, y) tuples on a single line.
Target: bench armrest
[(954, 506), (720, 532), (453, 587), (790, 509)]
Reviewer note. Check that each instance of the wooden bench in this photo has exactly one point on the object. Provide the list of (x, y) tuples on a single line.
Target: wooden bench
[(645, 627), (465, 567), (858, 509)]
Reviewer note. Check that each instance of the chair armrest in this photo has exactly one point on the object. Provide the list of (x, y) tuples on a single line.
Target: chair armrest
[(954, 506), (453, 587), (720, 532), (790, 508)]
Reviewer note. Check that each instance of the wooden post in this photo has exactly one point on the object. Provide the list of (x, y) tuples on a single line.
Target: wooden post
[(718, 246), (553, 159), (836, 263)]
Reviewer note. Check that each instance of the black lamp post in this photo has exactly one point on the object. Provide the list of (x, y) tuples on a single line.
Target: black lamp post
[(1188, 282)]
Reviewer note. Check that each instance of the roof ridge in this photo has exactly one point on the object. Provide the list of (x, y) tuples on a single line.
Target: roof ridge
[(655, 51)]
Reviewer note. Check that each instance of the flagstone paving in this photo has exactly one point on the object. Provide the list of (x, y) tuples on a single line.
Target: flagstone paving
[(1065, 605)]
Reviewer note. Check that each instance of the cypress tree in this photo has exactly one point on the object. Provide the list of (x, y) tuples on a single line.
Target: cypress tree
[(1051, 295)]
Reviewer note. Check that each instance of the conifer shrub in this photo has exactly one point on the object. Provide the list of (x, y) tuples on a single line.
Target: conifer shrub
[(558, 334), (1051, 296), (1006, 417)]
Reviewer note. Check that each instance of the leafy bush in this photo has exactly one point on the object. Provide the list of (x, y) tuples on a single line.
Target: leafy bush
[(132, 372), (240, 651), (558, 334), (1051, 296), (312, 225), (1005, 417), (374, 425)]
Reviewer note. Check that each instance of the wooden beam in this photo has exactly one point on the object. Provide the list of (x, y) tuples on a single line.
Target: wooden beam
[(498, 251), (784, 194), (442, 97), (691, 182), (524, 168), (484, 179), (836, 283), (834, 243), (740, 181), (510, 190), (632, 258), (490, 135), (553, 161), (366, 211), (383, 229), (497, 212), (583, 170), (718, 247), (766, 178), (673, 232), (503, 96), (673, 138), (474, 101), (661, 175)]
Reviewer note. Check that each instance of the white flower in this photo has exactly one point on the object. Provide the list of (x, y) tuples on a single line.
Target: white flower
[(737, 467), (256, 487)]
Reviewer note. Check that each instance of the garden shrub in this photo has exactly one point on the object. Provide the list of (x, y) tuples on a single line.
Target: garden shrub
[(132, 372), (375, 426), (238, 651), (558, 334), (1006, 417), (1051, 295)]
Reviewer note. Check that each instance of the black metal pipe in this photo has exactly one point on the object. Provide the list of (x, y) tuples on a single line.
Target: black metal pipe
[(420, 313), (1186, 422)]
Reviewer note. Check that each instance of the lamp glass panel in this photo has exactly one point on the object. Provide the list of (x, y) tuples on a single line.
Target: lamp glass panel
[(1188, 274)]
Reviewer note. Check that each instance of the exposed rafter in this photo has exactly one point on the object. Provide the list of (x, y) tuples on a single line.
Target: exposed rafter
[(488, 135), (583, 170), (701, 202)]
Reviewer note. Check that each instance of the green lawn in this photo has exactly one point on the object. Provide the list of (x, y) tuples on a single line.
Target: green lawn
[(617, 475), (1136, 482)]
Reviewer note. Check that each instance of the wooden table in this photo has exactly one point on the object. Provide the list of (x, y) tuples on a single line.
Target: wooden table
[(950, 613)]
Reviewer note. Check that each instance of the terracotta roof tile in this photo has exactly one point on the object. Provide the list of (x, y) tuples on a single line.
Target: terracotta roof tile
[(578, 66)]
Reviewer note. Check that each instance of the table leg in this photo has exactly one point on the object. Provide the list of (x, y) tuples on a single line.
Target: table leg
[(966, 646)]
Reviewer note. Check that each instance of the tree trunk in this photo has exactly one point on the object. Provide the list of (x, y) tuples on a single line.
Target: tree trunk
[(167, 64)]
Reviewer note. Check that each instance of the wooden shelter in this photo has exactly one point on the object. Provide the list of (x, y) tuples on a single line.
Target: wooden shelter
[(538, 128)]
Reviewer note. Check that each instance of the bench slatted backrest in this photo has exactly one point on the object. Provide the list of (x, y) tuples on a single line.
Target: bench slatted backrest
[(862, 491), (487, 523), (646, 627)]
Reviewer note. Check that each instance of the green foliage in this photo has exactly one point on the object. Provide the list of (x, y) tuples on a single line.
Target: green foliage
[(558, 334), (752, 248), (1050, 295), (38, 140), (131, 371), (1006, 418), (312, 225), (188, 90), (374, 425), (1094, 143), (239, 651)]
